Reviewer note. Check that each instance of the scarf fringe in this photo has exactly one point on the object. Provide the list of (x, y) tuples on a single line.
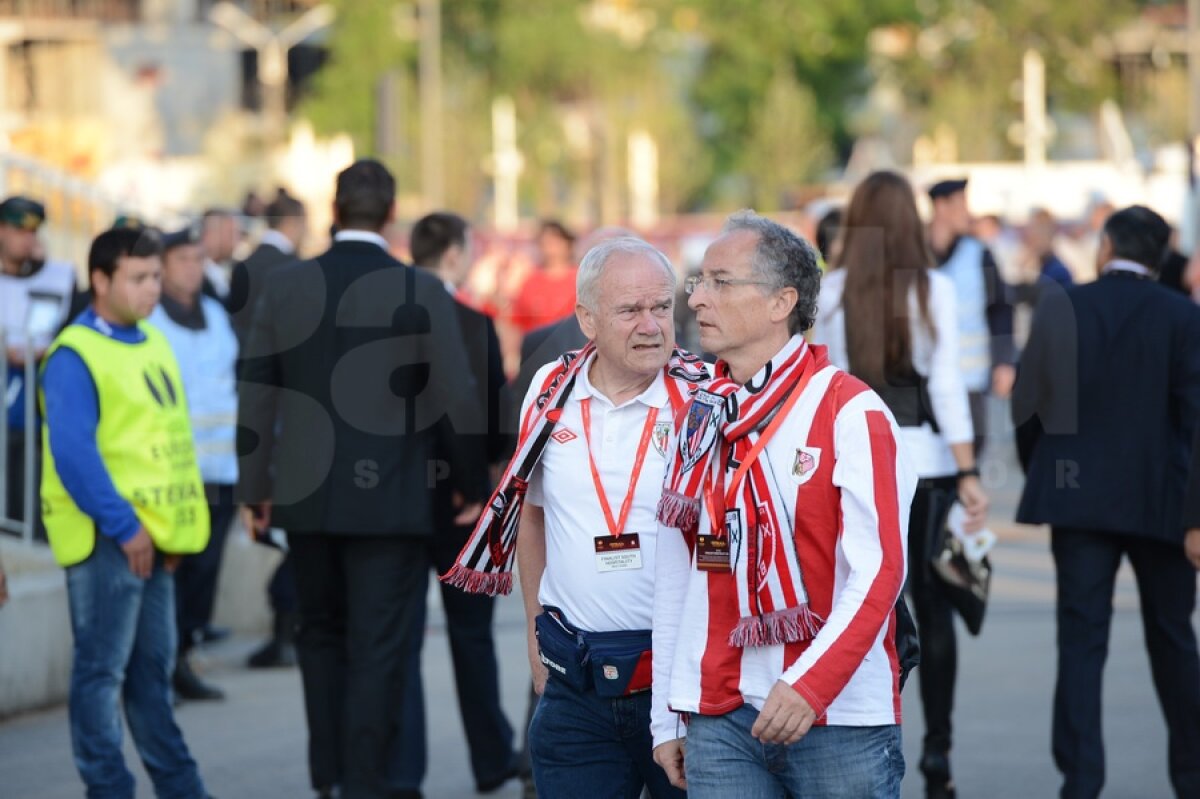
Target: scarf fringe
[(474, 581), (785, 626), (679, 510)]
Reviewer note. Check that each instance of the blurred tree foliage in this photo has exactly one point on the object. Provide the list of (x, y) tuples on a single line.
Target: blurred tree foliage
[(963, 65), (747, 99)]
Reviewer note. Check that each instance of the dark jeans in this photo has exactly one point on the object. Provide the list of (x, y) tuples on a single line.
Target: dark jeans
[(124, 629), (358, 596), (196, 579), (1086, 562), (585, 745), (476, 678), (934, 613)]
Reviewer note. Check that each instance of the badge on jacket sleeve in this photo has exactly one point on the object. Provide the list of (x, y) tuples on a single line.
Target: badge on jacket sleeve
[(805, 464)]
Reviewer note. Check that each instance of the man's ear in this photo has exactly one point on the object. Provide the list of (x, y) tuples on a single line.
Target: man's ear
[(783, 301), (587, 321), (100, 283)]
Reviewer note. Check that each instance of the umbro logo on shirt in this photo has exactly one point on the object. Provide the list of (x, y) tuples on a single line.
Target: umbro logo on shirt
[(564, 436)]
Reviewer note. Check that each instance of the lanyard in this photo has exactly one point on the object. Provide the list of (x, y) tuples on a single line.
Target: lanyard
[(617, 526), (728, 496)]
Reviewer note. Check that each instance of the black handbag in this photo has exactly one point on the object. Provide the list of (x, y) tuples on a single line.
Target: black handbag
[(965, 582), (908, 646)]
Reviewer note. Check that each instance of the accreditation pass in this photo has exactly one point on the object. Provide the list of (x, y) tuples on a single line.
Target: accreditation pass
[(615, 553)]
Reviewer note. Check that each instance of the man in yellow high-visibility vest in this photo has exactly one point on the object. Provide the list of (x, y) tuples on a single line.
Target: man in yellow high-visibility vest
[(122, 499)]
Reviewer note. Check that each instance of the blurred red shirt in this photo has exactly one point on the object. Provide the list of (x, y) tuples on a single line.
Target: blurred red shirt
[(544, 297)]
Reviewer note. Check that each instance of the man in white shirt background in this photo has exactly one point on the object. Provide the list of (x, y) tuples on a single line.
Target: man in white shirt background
[(219, 236)]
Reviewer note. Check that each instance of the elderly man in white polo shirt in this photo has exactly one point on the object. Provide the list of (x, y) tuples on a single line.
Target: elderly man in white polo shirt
[(593, 454)]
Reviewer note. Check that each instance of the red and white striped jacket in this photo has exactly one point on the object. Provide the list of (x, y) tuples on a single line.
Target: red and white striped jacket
[(850, 522)]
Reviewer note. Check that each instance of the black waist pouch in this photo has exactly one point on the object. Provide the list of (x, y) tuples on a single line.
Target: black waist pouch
[(620, 662), (562, 649)]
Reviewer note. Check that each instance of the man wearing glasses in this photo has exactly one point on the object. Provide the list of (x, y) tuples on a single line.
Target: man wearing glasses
[(781, 550)]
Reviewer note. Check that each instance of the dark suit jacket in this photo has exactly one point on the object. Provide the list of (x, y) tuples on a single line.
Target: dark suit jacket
[(1191, 500), (354, 362), (246, 285), (488, 445), (1106, 401), (538, 348)]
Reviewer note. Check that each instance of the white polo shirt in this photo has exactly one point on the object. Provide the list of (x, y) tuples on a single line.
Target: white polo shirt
[(562, 485)]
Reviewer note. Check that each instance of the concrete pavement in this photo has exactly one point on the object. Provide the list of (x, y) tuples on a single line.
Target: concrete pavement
[(252, 746)]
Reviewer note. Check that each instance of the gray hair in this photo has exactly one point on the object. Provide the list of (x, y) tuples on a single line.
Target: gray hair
[(785, 260), (598, 257)]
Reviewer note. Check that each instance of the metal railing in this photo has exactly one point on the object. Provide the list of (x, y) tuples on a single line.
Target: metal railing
[(22, 527)]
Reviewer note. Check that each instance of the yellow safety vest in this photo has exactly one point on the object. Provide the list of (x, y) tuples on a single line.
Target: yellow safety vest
[(145, 441)]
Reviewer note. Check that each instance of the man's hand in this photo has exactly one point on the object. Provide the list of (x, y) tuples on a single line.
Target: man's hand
[(256, 519), (171, 562), (670, 756), (537, 668), (785, 717), (3, 587), (975, 502), (139, 550), (468, 515), (1191, 547), (1003, 377)]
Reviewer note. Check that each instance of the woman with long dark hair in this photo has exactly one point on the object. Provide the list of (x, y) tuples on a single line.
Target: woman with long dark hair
[(889, 319)]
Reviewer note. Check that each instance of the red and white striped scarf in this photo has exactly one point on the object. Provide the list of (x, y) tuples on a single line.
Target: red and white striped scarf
[(721, 427), (484, 566)]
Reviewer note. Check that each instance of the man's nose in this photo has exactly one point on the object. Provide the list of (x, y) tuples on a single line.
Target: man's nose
[(647, 325)]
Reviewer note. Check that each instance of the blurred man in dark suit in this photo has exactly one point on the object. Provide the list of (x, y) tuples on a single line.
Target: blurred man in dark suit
[(440, 244), (287, 225), (1106, 402), (352, 364)]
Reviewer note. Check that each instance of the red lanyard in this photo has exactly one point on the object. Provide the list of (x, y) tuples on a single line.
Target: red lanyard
[(727, 496), (617, 526)]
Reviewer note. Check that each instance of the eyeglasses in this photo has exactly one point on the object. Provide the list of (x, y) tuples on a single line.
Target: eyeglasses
[(718, 284)]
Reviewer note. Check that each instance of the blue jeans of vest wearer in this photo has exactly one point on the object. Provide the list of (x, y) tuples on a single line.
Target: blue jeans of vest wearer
[(582, 744), (125, 640), (724, 760)]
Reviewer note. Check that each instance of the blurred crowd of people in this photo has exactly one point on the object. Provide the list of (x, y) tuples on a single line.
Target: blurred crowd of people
[(358, 414)]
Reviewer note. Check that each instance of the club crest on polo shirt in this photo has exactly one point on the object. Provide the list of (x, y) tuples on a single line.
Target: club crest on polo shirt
[(662, 434), (564, 436), (805, 464), (700, 427)]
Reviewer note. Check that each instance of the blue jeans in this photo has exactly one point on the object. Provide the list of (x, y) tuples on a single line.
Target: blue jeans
[(723, 760), (125, 639), (583, 744)]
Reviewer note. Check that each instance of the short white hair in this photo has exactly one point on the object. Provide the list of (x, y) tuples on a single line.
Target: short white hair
[(598, 257)]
